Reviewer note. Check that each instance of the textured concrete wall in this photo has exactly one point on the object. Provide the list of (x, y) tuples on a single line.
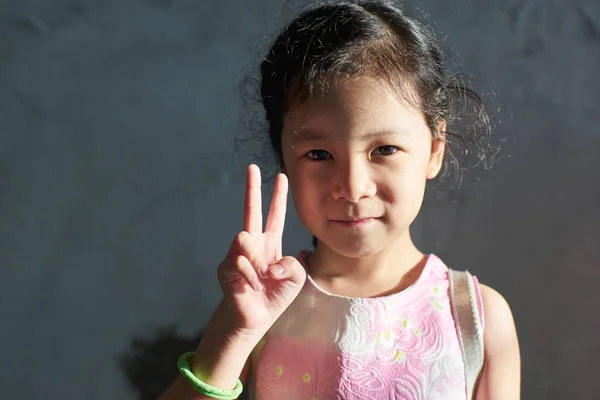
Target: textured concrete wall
[(120, 192)]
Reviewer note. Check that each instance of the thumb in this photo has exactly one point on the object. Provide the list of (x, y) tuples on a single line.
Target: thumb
[(288, 268)]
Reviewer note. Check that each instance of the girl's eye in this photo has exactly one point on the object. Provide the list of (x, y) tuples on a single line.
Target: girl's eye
[(385, 150), (318, 155)]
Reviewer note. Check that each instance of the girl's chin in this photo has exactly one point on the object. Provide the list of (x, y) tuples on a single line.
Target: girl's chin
[(354, 247)]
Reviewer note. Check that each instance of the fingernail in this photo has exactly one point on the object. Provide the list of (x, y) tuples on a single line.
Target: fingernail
[(276, 270), (258, 286)]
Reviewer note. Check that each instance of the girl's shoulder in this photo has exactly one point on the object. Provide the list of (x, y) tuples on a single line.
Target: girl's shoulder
[(500, 322), (502, 367)]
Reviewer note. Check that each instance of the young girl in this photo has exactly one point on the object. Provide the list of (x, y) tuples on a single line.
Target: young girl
[(358, 103)]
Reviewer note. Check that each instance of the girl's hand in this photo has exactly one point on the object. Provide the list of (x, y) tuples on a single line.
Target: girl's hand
[(257, 282)]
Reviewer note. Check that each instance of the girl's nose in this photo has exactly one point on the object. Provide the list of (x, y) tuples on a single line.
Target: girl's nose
[(352, 182)]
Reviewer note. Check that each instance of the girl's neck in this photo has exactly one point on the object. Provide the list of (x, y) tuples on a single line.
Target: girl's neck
[(391, 270)]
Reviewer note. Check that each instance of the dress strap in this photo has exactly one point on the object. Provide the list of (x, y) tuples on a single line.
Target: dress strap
[(468, 326)]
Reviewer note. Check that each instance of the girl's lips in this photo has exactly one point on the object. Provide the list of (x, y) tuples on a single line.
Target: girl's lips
[(355, 222)]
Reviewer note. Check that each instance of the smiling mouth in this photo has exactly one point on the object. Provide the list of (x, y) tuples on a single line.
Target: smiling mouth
[(355, 222)]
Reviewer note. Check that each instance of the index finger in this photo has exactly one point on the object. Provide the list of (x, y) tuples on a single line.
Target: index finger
[(253, 205)]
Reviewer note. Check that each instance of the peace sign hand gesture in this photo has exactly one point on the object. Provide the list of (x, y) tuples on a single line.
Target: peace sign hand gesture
[(257, 282)]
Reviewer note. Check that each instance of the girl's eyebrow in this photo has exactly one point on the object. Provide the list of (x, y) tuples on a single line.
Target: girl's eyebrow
[(310, 136), (384, 133)]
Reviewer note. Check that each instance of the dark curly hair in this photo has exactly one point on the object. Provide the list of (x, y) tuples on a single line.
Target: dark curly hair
[(375, 38)]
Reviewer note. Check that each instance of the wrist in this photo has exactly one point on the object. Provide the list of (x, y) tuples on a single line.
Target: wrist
[(223, 352), (216, 345), (219, 360)]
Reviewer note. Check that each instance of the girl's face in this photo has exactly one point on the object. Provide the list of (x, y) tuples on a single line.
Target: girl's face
[(357, 162)]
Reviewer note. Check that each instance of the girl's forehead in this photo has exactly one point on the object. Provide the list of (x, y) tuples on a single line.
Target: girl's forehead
[(357, 104)]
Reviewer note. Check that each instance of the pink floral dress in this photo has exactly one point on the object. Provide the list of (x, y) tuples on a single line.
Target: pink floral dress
[(401, 346)]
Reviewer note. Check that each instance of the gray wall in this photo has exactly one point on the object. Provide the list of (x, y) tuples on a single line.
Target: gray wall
[(120, 192)]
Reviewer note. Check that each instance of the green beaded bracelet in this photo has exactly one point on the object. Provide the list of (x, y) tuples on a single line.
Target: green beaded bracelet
[(186, 371)]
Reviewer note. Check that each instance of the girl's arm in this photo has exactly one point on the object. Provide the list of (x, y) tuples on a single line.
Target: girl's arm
[(258, 285), (221, 358), (501, 375)]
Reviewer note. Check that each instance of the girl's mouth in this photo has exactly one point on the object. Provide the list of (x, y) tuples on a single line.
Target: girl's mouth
[(355, 222)]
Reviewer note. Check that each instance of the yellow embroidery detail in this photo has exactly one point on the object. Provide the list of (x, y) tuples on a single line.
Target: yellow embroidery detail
[(405, 322), (437, 305), (417, 332), (399, 355), (279, 370), (436, 290), (306, 377), (388, 334)]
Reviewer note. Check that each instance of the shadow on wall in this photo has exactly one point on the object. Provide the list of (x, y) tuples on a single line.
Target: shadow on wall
[(150, 364)]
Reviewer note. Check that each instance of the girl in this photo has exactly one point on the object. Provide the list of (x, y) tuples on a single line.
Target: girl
[(358, 103)]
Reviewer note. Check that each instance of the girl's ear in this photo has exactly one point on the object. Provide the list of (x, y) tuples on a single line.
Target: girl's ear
[(438, 147)]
